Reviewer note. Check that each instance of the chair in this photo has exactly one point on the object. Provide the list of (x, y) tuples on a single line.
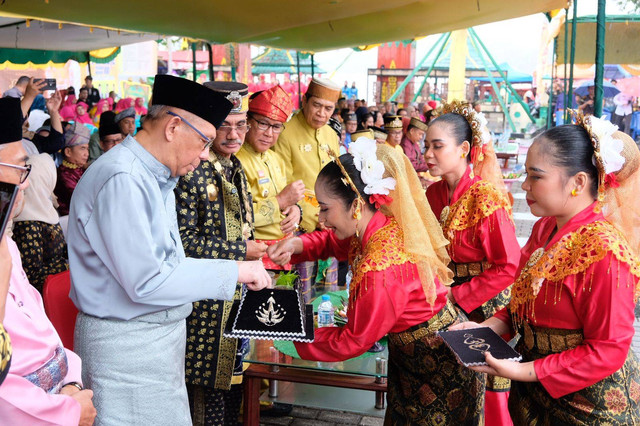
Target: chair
[(59, 307)]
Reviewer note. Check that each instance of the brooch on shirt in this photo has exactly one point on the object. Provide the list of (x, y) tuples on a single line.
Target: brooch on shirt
[(246, 231), (444, 215), (212, 192)]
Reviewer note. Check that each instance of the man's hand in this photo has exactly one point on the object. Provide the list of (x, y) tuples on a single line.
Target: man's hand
[(87, 410), (53, 103), (292, 220), (30, 93), (291, 194), (253, 275), (255, 250), (5, 273)]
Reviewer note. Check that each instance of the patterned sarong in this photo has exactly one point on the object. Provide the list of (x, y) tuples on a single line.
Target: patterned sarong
[(612, 401), (427, 385), (49, 377), (482, 313), (136, 367)]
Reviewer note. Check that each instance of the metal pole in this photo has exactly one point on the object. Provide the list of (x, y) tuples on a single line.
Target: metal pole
[(417, 68), (212, 77), (565, 93), (299, 87), (193, 51), (313, 66), (600, 46), (433, 64), (503, 75), (573, 55), (494, 85)]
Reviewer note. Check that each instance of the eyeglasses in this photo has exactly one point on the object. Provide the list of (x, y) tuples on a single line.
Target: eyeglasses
[(240, 128), (263, 125), (206, 140), (25, 170)]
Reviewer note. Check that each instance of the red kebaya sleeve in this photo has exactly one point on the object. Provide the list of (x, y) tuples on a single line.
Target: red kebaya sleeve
[(607, 315), (500, 245), (372, 316), (322, 245)]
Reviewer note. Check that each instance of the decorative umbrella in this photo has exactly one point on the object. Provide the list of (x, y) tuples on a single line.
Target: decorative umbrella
[(609, 89), (630, 86)]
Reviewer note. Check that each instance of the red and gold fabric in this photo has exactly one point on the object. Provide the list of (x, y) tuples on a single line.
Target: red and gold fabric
[(589, 288), (274, 103), (478, 223), (386, 296)]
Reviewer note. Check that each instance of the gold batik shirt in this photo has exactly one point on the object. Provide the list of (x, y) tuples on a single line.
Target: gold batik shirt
[(303, 150)]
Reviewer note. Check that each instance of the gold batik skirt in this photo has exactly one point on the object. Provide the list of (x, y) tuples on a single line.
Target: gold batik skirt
[(427, 385), (611, 401), (464, 272)]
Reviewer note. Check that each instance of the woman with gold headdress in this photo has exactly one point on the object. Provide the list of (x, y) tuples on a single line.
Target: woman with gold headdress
[(573, 301), (377, 216), (475, 215)]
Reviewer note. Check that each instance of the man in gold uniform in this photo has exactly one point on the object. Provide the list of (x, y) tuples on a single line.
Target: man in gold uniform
[(275, 207), (303, 146)]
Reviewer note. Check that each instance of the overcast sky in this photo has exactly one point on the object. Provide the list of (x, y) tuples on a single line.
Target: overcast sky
[(515, 41)]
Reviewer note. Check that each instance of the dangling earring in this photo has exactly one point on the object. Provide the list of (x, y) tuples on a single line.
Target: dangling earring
[(357, 214), (574, 192), (463, 155)]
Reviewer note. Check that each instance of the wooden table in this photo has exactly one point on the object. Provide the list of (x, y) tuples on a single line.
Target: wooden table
[(506, 156), (268, 363)]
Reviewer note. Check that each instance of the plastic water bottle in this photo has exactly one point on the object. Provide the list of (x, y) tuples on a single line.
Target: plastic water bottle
[(325, 312)]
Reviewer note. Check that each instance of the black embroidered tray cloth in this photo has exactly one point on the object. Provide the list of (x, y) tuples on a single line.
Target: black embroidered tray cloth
[(271, 314)]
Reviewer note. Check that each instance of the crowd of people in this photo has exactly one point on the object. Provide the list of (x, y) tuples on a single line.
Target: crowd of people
[(164, 224)]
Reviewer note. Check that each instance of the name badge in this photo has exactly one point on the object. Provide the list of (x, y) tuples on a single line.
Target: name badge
[(263, 181)]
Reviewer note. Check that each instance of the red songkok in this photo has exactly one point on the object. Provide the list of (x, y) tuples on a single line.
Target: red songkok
[(273, 103)]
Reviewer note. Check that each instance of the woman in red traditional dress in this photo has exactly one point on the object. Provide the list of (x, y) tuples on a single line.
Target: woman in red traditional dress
[(475, 215), (377, 217), (573, 301)]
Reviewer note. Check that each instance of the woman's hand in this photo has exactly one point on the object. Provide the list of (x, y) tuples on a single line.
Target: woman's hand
[(465, 326), (519, 371), (280, 252)]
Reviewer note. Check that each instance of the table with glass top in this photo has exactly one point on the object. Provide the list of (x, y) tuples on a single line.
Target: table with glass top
[(367, 372)]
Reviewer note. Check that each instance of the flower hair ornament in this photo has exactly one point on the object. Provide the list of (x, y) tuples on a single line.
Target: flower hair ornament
[(477, 122), (607, 150), (371, 171)]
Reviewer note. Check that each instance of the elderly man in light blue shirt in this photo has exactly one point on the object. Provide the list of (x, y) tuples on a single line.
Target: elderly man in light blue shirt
[(130, 278)]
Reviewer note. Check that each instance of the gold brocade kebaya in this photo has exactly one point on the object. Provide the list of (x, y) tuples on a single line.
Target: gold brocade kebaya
[(571, 255), (384, 249), (480, 201)]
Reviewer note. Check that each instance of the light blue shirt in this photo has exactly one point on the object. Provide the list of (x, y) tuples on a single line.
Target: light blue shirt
[(125, 253)]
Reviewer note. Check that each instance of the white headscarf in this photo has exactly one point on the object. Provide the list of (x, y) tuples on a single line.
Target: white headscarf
[(38, 197)]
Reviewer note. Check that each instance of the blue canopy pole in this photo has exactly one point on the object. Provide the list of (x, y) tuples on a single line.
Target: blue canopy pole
[(600, 34)]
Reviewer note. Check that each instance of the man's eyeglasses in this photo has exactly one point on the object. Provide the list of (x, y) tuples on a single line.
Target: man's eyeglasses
[(262, 125), (240, 128), (25, 170), (206, 140)]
